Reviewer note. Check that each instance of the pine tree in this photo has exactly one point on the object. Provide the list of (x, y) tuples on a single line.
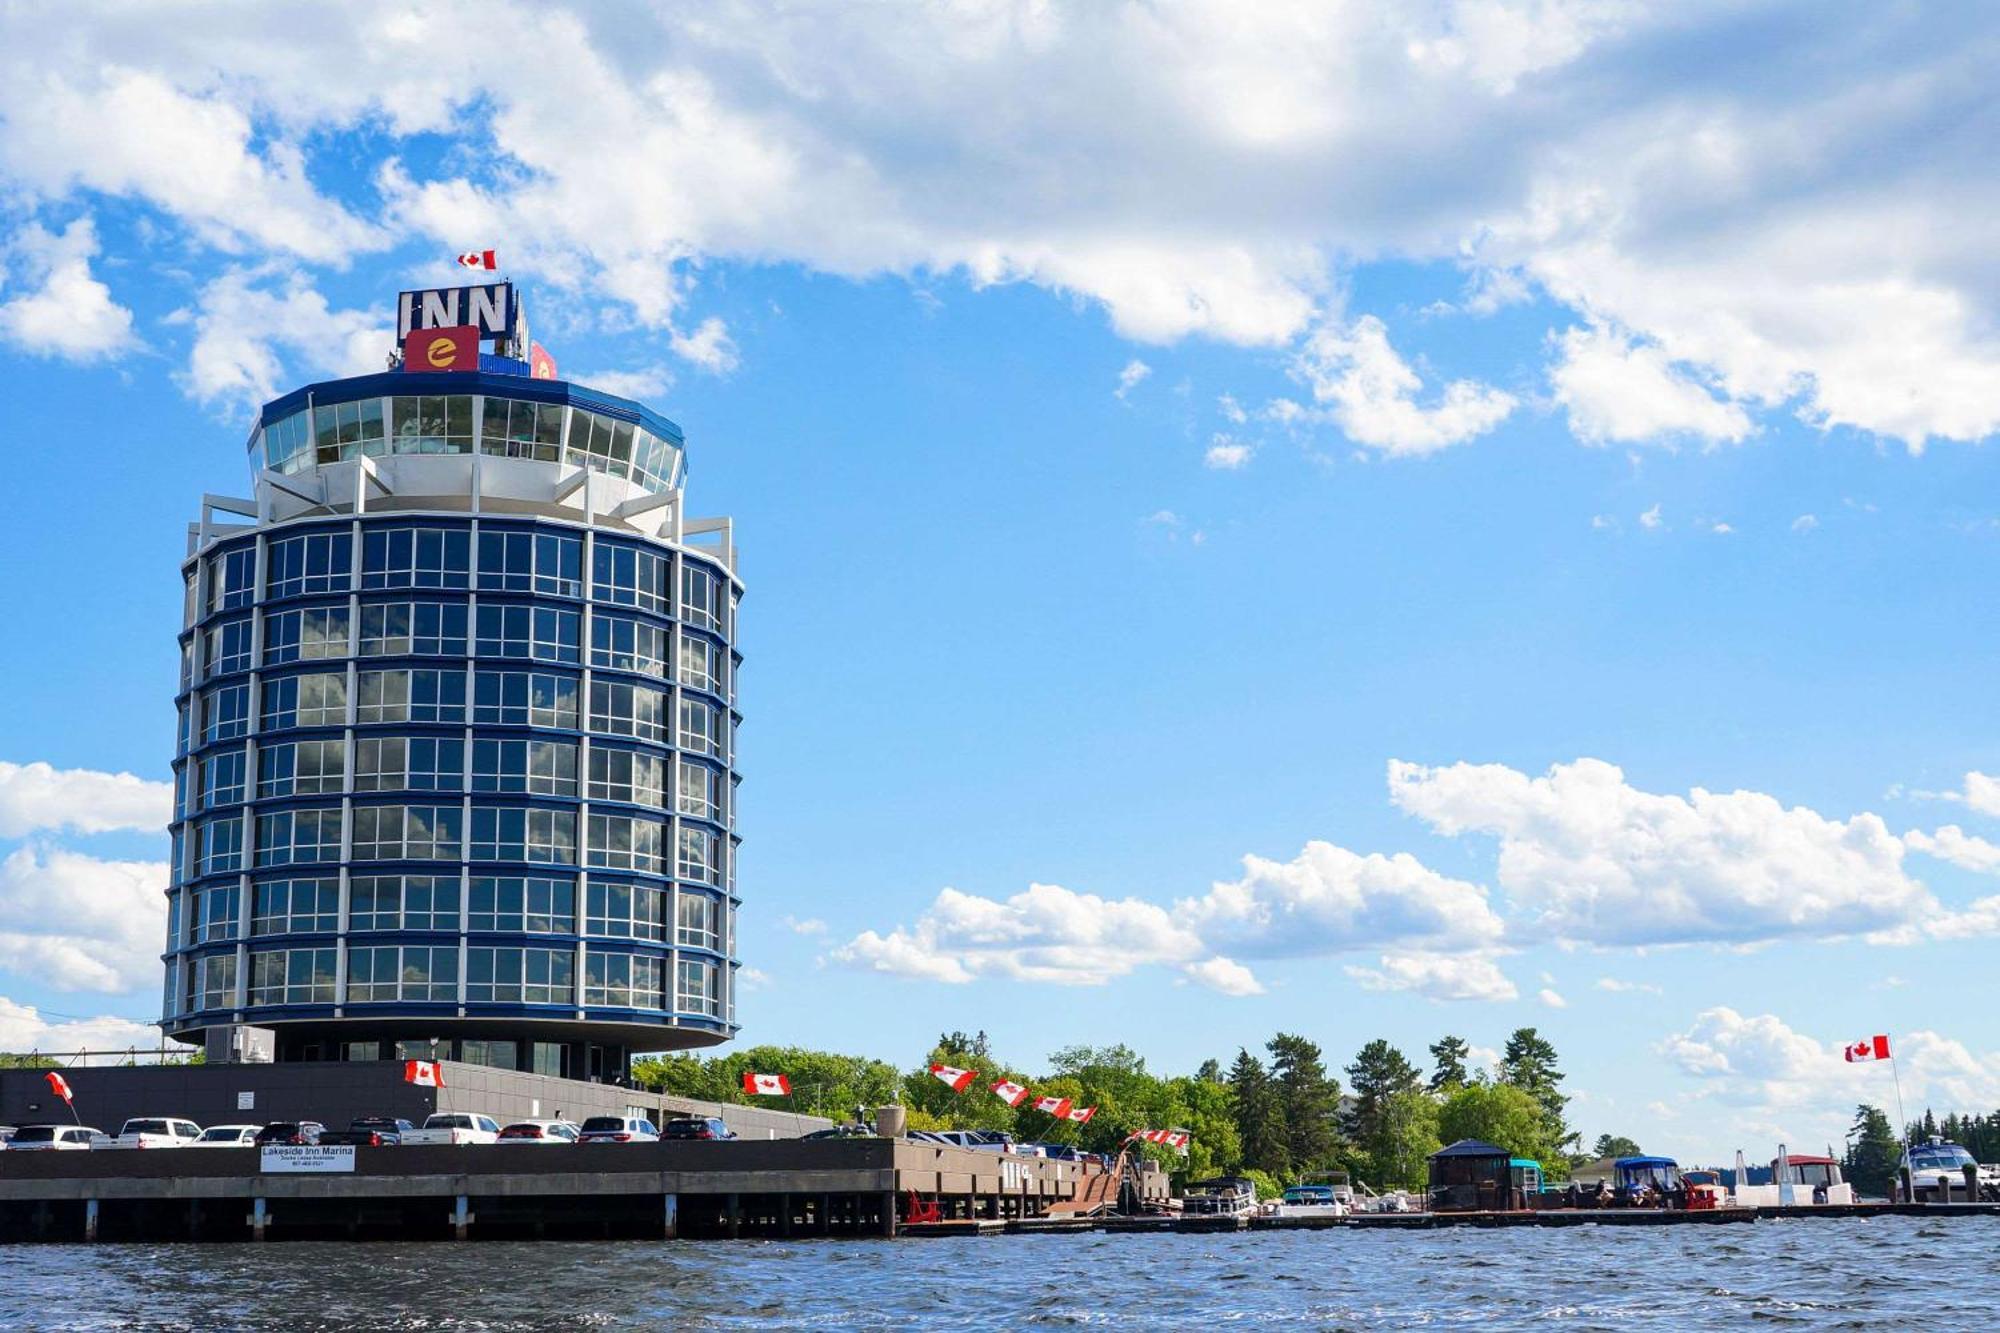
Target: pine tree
[(1529, 1063), (1379, 1075), (1448, 1064), (1260, 1120), (1873, 1153), (1210, 1071), (1310, 1098)]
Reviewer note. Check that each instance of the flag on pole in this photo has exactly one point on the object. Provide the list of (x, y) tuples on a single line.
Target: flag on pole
[(958, 1080), (1011, 1093), (1080, 1114), (1869, 1048), (423, 1073), (478, 259), (1055, 1106), (60, 1086), (766, 1085)]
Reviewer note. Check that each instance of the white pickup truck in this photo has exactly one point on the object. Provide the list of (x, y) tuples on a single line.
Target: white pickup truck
[(155, 1132), (455, 1127)]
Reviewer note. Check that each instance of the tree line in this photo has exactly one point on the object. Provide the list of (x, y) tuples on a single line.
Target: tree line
[(1274, 1116)]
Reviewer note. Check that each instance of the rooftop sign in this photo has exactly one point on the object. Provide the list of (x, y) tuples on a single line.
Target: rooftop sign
[(492, 308)]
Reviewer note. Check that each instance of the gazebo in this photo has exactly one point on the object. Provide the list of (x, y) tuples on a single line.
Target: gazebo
[(1470, 1176)]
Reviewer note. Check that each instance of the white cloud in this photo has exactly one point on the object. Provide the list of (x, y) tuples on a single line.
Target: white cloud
[(244, 317), (1603, 523), (1438, 977), (39, 796), (1365, 388), (1616, 986), (1224, 975), (1620, 391), (1952, 843), (642, 383), (1551, 999), (1131, 377), (79, 923), (1231, 410), (23, 1029), (1981, 794), (70, 315), (1721, 529), (1325, 901), (1592, 859), (708, 347), (811, 925), (1226, 455), (1804, 523), (1651, 519)]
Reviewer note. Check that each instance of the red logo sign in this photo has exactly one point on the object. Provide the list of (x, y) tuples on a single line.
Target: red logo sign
[(541, 365), (442, 349)]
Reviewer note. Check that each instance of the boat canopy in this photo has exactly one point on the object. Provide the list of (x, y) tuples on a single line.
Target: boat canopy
[(1471, 1148), (1652, 1161)]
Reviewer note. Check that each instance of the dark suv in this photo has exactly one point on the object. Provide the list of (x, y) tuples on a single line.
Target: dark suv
[(709, 1128), (296, 1132)]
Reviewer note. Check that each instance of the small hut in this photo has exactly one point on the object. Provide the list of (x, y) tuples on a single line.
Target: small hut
[(1470, 1176)]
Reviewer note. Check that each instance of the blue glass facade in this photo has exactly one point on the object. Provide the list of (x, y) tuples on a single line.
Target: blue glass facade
[(456, 776)]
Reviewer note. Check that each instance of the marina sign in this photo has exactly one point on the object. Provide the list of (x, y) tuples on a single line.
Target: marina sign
[(290, 1158)]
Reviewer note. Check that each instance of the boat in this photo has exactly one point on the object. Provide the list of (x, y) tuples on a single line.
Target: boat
[(1937, 1172), (1645, 1181), (1225, 1196), (1310, 1199), (1807, 1178)]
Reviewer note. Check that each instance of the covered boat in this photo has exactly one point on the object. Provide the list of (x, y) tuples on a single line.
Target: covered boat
[(1646, 1181), (1225, 1196)]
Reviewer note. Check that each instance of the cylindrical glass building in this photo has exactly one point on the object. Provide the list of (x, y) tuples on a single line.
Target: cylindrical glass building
[(455, 766)]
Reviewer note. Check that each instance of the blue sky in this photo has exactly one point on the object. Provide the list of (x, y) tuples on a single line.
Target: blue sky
[(1518, 481)]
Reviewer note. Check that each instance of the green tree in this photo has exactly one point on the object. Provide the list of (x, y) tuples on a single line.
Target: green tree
[(1210, 1071), (1500, 1114), (1310, 1097), (1379, 1074), (1615, 1145), (1259, 1115), (1873, 1153), (1529, 1063), (1409, 1137), (1448, 1064)]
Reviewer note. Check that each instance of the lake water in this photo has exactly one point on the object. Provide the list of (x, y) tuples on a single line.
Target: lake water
[(1880, 1273)]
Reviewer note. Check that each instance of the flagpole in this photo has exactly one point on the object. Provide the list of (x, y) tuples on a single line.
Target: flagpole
[(1897, 1075)]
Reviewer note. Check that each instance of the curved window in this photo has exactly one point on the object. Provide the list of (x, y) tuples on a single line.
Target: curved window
[(626, 911), (214, 983), (232, 579), (292, 976), (295, 906), (309, 563), (620, 709), (298, 837), (702, 664), (513, 429), (701, 596), (701, 726), (409, 763), (343, 432), (700, 791), (310, 634), (547, 563), (626, 775), (416, 558), (228, 647), (542, 768), (432, 423), (624, 842), (520, 976), (402, 902), (407, 833), (546, 633), (623, 981), (219, 846), (225, 713), (624, 643), (316, 699), (522, 904), (524, 699), (222, 779), (547, 836), (699, 988), (631, 577), (285, 444), (413, 629), (414, 695), (215, 914), (700, 856), (699, 923)]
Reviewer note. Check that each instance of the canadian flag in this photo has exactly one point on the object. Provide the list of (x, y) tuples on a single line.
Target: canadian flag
[(766, 1085), (1081, 1114), (958, 1080), (423, 1073), (1055, 1106), (1869, 1048), (1011, 1093), (478, 259), (1177, 1138), (59, 1086)]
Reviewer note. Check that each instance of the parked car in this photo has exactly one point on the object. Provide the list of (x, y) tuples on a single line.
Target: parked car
[(56, 1138), (369, 1131), (456, 1127), (227, 1136), (705, 1127), (628, 1129), (6, 1132), (849, 1131), (155, 1132), (540, 1131), (296, 1133)]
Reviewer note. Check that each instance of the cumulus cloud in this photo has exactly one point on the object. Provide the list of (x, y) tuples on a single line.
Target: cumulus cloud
[(1550, 998), (1359, 383), (40, 796), (1804, 523), (1226, 454), (1651, 519), (1438, 977), (67, 313), (1589, 858), (1325, 901), (1620, 391), (1952, 843), (243, 319), (24, 1028), (75, 922), (1131, 377), (643, 383), (810, 925), (708, 347)]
